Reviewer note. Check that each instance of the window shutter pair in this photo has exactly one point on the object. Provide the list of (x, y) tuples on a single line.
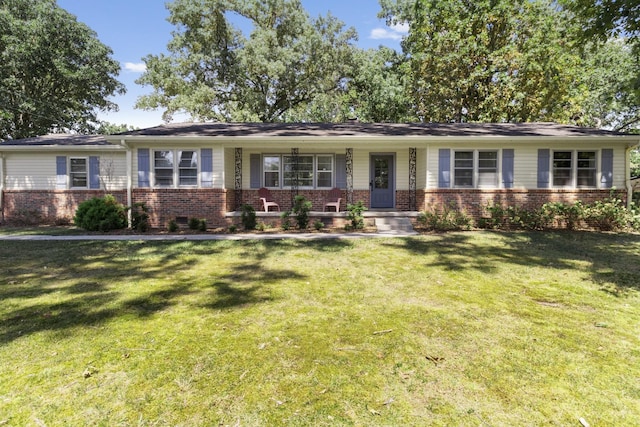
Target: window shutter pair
[(444, 168), (206, 167), (544, 168), (61, 172)]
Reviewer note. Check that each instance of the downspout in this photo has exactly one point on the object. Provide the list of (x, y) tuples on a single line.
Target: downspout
[(2, 163), (129, 182)]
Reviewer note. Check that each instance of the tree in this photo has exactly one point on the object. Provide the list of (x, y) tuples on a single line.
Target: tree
[(214, 72), (54, 72), (490, 61)]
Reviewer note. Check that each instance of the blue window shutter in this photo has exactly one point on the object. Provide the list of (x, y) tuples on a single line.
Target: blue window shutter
[(606, 181), (206, 169), (543, 167), (61, 173), (256, 169), (444, 168), (507, 167), (341, 171), (143, 167), (94, 172)]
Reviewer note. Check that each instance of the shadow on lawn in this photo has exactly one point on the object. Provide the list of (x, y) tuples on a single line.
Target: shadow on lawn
[(612, 258), (49, 287)]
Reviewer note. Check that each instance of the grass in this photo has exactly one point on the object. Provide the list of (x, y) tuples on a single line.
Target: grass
[(469, 329)]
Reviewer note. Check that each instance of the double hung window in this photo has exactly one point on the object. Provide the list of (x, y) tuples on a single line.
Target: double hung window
[(574, 169), (78, 172), (173, 167), (475, 169), (304, 171)]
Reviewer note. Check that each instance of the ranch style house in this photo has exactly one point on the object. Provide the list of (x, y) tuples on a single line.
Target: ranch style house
[(209, 170)]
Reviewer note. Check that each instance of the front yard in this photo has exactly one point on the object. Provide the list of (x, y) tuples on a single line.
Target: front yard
[(477, 328)]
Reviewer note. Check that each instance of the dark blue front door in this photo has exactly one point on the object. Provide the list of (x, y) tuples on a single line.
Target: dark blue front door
[(382, 181)]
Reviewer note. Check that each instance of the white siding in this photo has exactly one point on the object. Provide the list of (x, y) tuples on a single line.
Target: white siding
[(421, 168), (37, 171)]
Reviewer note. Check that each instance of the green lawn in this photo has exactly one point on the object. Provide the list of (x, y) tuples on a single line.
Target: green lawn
[(469, 329)]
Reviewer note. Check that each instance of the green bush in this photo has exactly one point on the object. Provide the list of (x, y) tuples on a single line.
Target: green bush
[(448, 218), (318, 225), (172, 226), (101, 214), (610, 215), (248, 217), (140, 217), (301, 209), (286, 220), (355, 215), (197, 224)]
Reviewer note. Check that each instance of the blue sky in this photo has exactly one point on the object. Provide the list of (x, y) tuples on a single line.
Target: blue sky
[(137, 28)]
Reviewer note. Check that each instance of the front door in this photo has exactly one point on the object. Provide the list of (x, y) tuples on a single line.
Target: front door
[(382, 181)]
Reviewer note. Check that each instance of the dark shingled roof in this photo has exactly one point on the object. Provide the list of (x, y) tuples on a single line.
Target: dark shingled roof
[(61, 139), (357, 129)]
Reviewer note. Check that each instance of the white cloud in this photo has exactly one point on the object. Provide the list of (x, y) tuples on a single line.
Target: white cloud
[(394, 32), (384, 34), (135, 67)]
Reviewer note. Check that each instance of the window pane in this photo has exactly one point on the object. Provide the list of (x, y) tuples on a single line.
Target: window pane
[(463, 159), (488, 160), (586, 174), (463, 178), (463, 169), (163, 168), (562, 168), (78, 172), (324, 179), (271, 168), (586, 178), (325, 171), (163, 159), (164, 177), (562, 177), (188, 167), (304, 167)]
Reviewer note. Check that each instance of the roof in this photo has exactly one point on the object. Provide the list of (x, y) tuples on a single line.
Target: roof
[(58, 139), (356, 129)]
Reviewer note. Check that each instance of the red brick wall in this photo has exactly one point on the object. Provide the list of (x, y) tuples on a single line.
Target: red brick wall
[(48, 206), (284, 197), (166, 204), (474, 201)]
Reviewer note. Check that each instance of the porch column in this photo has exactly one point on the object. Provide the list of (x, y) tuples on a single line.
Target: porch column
[(412, 179), (349, 166), (238, 179)]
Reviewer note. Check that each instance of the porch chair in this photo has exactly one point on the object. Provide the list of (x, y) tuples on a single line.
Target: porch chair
[(334, 199), (267, 200)]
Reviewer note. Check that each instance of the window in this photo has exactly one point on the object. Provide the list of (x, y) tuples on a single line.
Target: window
[(167, 171), (569, 172), (271, 171), (78, 172), (473, 169), (310, 171)]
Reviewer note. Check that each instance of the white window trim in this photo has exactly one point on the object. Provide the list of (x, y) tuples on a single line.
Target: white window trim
[(69, 172), (176, 168), (314, 186), (574, 169), (476, 168)]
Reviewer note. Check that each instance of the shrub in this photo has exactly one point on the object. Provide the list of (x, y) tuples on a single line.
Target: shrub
[(101, 214), (194, 223), (248, 217), (262, 226), (355, 215), (610, 215), (286, 220), (301, 209), (448, 218), (172, 226), (140, 217), (318, 225), (233, 228)]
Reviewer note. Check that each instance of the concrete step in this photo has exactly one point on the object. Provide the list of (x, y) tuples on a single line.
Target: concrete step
[(394, 224)]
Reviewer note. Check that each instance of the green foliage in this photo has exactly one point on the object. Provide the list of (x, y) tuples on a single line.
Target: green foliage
[(285, 218), (248, 217), (172, 226), (301, 209), (611, 215), (233, 228), (355, 215), (490, 61), (101, 214), (140, 217), (262, 226), (198, 224), (318, 225), (215, 72), (446, 218), (55, 73)]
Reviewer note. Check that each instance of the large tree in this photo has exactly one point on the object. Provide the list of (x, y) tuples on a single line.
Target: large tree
[(214, 72), (489, 60), (54, 72)]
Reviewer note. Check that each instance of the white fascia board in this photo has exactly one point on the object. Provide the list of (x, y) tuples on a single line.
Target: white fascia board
[(46, 148)]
